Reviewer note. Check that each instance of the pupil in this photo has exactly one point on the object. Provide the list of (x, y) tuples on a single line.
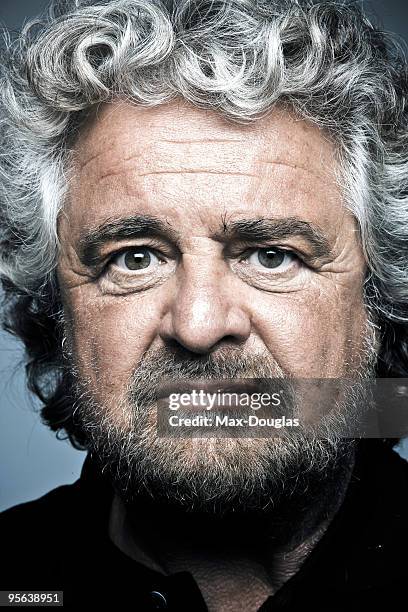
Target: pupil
[(271, 258), (136, 260)]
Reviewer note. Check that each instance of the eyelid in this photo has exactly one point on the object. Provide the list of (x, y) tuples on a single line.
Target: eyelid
[(151, 246), (288, 250), (293, 258), (121, 256), (309, 260), (145, 245), (108, 266)]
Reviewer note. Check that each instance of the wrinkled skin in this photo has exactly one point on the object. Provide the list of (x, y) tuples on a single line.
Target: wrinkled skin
[(189, 167), (203, 289)]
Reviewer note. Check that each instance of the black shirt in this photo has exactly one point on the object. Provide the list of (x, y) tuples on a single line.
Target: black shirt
[(61, 542)]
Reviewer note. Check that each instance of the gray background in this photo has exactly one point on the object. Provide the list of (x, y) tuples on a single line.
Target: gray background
[(32, 460)]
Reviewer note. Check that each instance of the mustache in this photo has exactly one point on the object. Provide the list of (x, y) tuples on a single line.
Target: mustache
[(225, 363), (167, 365), (177, 364)]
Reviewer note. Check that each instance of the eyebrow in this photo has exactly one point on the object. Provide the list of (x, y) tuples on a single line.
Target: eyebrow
[(245, 230), (135, 226), (262, 229)]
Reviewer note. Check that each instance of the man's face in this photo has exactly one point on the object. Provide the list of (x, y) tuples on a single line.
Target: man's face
[(195, 246)]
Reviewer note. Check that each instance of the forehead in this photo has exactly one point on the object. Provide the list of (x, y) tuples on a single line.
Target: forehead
[(121, 128), (158, 159)]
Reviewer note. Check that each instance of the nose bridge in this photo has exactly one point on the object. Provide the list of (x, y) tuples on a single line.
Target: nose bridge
[(200, 287), (202, 310)]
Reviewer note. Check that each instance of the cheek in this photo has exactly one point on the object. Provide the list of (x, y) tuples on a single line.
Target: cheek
[(110, 336), (311, 334)]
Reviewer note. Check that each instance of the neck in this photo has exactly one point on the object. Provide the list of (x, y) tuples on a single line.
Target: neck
[(269, 547)]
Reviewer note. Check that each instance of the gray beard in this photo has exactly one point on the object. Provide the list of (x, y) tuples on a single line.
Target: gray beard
[(215, 476)]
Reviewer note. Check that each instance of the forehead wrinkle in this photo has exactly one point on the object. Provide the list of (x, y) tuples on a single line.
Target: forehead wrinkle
[(90, 159), (320, 178), (100, 153), (200, 140), (167, 141), (95, 156), (295, 166), (155, 172), (252, 162)]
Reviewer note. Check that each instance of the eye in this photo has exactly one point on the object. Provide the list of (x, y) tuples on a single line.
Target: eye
[(135, 258), (272, 258)]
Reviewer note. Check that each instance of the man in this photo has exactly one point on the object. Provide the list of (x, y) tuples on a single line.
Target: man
[(201, 191)]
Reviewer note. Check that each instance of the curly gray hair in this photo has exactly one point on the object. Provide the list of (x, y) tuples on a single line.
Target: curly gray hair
[(324, 60)]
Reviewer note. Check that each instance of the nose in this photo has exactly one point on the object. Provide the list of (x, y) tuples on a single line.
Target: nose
[(205, 310)]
